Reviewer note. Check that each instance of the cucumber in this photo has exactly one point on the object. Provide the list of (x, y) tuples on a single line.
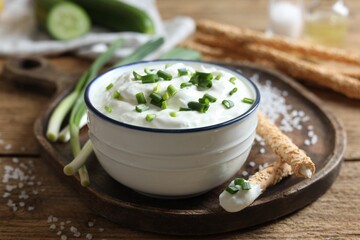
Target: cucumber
[(117, 16), (63, 20)]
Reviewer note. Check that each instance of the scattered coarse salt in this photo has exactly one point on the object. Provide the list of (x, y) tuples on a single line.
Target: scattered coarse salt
[(14, 208), (90, 224), (307, 142), (245, 173), (89, 236), (284, 115), (252, 164), (314, 139), (55, 219), (8, 146), (63, 237), (30, 208), (21, 204), (77, 234), (68, 222), (49, 220), (59, 233), (1, 141), (6, 195), (15, 160), (52, 227), (73, 229), (262, 150), (10, 187), (101, 229)]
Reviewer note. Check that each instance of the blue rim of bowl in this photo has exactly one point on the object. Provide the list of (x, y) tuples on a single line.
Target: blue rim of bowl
[(163, 130)]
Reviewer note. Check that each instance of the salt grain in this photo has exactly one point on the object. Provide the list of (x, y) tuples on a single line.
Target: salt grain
[(252, 164), (89, 236), (262, 150), (73, 229), (52, 227), (77, 234), (63, 237), (30, 208), (307, 142), (90, 224), (15, 160), (59, 233), (245, 173), (101, 229), (6, 195), (8, 146), (21, 204)]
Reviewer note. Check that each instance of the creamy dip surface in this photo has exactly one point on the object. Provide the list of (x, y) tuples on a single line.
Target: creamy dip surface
[(240, 200), (123, 108)]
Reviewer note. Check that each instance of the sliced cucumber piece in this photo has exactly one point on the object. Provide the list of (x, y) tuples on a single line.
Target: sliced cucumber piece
[(67, 21)]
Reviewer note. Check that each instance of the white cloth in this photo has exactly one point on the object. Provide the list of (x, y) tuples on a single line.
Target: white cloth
[(19, 35)]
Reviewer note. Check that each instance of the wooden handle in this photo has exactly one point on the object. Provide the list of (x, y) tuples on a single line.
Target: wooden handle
[(35, 73)]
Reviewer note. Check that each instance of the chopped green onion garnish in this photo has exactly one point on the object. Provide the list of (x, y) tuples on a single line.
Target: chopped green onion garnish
[(211, 98), (158, 104), (218, 76), (248, 100), (142, 108), (204, 100), (148, 71), (182, 72), (204, 75), (200, 107), (232, 80), (108, 109), (234, 90), (108, 87), (183, 109), (172, 114), (156, 88), (171, 90), (231, 189), (166, 96), (239, 181), (246, 186), (185, 84), (164, 75), (140, 98), (137, 76), (150, 117), (202, 79), (163, 105), (204, 83), (228, 104), (149, 78), (116, 95), (156, 97)]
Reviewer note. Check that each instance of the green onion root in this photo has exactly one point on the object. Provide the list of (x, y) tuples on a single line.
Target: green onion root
[(79, 160)]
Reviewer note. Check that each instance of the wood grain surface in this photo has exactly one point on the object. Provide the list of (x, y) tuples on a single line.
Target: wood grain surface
[(335, 215)]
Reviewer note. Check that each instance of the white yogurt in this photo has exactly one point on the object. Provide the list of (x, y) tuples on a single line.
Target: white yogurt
[(124, 110), (240, 200)]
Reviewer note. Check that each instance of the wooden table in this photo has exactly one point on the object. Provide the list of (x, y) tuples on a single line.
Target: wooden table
[(335, 215)]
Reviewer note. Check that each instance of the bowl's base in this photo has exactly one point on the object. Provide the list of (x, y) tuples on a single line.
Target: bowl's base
[(171, 197)]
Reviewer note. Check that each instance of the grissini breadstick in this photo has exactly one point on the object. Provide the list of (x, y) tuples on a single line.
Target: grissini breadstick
[(300, 69), (259, 182), (245, 35), (291, 65), (300, 163)]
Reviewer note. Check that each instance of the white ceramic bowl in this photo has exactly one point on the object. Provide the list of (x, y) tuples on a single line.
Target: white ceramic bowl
[(181, 162)]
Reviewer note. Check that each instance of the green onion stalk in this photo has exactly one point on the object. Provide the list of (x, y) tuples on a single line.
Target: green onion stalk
[(66, 104), (79, 109)]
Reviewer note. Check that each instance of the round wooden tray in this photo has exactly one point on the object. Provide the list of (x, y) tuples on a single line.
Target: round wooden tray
[(200, 215)]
